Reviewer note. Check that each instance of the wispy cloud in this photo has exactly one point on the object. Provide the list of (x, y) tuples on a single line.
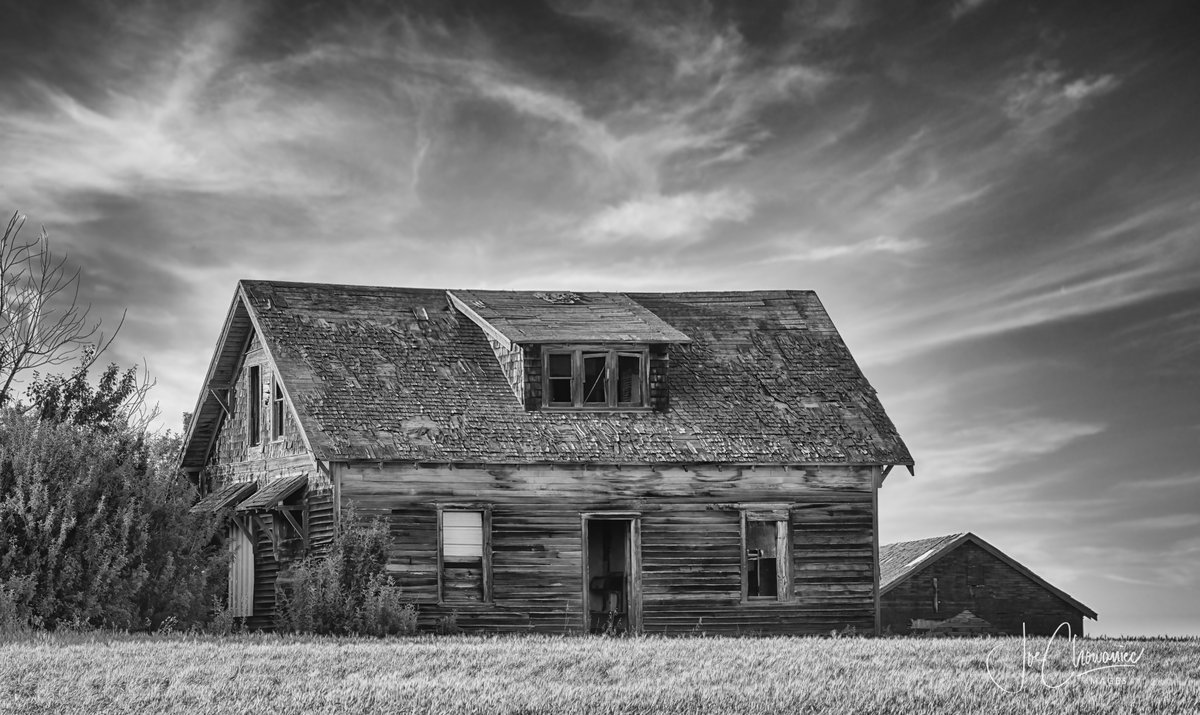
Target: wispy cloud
[(966, 7), (682, 217), (880, 244), (998, 442), (1038, 100)]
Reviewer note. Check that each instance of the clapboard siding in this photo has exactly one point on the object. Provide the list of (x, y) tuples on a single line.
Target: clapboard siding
[(266, 568), (690, 531)]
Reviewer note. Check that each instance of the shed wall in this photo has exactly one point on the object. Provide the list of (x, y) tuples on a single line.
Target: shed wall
[(970, 578)]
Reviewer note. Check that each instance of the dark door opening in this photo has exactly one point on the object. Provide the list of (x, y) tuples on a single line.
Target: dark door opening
[(609, 585)]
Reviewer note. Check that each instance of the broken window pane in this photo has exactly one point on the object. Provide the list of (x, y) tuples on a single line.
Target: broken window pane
[(761, 559), (594, 380), (629, 380)]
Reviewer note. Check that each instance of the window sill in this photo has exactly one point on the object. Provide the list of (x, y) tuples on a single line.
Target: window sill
[(559, 408), (766, 601)]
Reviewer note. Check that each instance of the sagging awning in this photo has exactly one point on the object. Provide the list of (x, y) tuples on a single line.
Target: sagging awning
[(224, 497), (274, 493)]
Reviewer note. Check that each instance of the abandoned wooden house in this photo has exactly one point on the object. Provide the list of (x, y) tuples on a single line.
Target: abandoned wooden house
[(565, 462), (927, 584)]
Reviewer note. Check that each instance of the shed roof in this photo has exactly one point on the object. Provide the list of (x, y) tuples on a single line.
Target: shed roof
[(227, 496), (275, 492), (400, 374), (548, 317), (901, 560)]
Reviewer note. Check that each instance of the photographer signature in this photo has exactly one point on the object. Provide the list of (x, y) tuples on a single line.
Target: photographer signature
[(1083, 660)]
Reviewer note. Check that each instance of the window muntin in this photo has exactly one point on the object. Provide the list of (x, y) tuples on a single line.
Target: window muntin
[(595, 377)]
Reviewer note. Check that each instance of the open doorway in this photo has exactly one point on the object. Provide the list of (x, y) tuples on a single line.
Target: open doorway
[(612, 582)]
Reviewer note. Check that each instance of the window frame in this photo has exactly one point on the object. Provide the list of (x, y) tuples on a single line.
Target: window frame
[(485, 511), (613, 354), (278, 409), (785, 586), (254, 406)]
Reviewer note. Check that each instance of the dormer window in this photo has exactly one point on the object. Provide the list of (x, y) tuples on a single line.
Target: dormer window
[(584, 377)]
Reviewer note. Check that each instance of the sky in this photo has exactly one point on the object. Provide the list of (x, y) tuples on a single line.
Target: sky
[(996, 201)]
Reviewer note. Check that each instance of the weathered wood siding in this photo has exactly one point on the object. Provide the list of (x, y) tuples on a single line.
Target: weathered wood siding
[(691, 551), (232, 459), (971, 579)]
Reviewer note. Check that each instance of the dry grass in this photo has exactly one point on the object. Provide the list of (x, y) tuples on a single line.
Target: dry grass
[(251, 674)]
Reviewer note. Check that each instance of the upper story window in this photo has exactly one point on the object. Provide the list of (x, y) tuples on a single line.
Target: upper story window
[(277, 409), (595, 377), (254, 395)]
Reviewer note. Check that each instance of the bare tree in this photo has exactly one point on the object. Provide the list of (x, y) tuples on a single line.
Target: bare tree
[(42, 322)]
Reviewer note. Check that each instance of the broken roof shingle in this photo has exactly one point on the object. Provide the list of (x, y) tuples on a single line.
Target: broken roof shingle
[(399, 374)]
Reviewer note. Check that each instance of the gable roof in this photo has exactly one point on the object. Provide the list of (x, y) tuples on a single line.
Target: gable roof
[(376, 373), (902, 560)]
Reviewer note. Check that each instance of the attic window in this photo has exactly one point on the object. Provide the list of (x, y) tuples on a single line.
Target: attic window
[(595, 377), (254, 392), (277, 410)]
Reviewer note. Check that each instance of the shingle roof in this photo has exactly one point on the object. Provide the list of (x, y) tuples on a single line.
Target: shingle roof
[(540, 317), (226, 496), (901, 560), (897, 561), (399, 374), (275, 491)]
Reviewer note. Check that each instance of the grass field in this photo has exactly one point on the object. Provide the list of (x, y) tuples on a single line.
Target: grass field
[(94, 673)]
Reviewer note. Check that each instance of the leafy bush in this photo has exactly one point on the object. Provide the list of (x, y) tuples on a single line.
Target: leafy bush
[(96, 527), (346, 591)]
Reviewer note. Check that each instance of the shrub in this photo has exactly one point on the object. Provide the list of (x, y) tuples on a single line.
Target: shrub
[(346, 591), (97, 529)]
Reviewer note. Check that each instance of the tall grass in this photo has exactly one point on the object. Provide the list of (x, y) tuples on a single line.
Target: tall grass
[(311, 674)]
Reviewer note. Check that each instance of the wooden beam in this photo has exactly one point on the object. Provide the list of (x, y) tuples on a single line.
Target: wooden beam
[(488, 329), (224, 407), (245, 528), (292, 520)]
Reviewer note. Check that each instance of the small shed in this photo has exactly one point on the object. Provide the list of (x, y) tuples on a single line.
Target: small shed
[(930, 581)]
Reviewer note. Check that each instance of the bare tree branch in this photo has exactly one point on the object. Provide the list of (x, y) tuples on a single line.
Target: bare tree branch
[(42, 322)]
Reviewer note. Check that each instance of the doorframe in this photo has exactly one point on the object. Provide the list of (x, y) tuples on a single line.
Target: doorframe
[(634, 519)]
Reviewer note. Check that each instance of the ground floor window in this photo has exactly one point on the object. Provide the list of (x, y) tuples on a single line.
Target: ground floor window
[(464, 554), (766, 555)]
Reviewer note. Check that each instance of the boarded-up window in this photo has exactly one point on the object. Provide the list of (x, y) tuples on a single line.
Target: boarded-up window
[(241, 573), (464, 555), (766, 571)]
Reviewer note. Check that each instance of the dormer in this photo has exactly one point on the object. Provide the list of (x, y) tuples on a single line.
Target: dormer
[(570, 352)]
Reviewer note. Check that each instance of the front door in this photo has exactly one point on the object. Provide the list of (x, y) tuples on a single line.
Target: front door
[(611, 574)]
